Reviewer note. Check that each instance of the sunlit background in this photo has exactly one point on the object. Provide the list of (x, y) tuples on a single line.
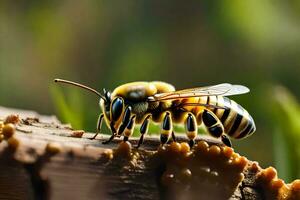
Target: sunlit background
[(107, 43)]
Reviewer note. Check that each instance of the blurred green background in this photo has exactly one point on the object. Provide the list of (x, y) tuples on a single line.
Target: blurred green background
[(108, 43)]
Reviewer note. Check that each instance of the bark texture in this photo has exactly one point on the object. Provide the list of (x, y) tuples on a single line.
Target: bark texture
[(45, 159)]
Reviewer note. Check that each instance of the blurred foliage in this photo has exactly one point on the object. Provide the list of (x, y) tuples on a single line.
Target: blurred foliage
[(287, 133), (70, 109), (105, 44), (265, 27)]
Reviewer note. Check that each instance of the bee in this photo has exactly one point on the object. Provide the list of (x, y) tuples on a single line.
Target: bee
[(141, 102)]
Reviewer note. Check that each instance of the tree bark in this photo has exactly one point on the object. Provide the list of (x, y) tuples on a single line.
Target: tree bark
[(45, 159)]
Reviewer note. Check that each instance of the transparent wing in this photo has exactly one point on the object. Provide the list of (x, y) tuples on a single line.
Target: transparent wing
[(224, 89)]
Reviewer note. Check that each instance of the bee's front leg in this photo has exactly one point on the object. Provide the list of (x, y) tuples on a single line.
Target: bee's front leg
[(113, 133), (99, 123), (110, 139)]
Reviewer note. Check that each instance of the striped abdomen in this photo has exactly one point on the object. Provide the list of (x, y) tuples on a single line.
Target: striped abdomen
[(236, 120)]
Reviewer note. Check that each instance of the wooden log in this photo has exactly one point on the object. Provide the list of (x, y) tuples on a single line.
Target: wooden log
[(45, 159)]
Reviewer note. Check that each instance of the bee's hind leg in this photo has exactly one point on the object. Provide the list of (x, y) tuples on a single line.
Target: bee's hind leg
[(226, 140), (215, 127), (143, 130), (99, 123)]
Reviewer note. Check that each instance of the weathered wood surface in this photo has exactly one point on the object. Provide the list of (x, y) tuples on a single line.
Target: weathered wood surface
[(51, 164)]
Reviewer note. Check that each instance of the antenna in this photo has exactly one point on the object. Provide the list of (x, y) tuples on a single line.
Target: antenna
[(79, 85)]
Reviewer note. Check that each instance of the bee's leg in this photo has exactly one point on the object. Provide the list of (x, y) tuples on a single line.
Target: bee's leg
[(173, 136), (167, 128), (129, 128), (99, 123), (191, 128), (110, 139), (125, 121), (226, 140), (214, 126), (113, 133), (143, 130)]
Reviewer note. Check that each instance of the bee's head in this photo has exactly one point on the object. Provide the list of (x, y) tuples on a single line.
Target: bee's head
[(112, 109)]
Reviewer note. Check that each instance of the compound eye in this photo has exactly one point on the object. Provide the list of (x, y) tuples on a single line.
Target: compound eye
[(116, 108)]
